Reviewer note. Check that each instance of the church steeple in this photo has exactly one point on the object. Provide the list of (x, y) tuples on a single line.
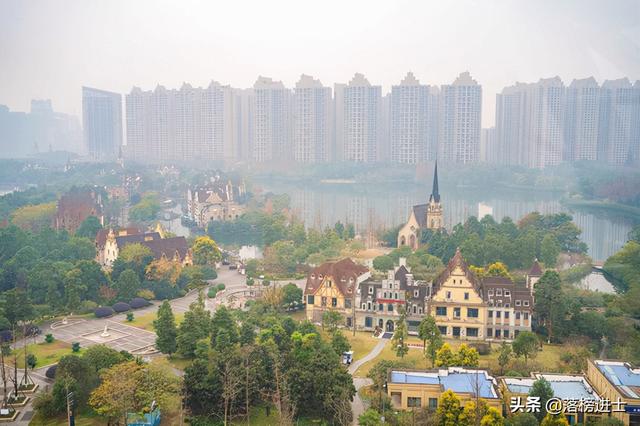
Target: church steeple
[(435, 194)]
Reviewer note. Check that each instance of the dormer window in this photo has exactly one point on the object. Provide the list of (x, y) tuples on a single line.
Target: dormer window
[(507, 293), (370, 290), (490, 293), (499, 292)]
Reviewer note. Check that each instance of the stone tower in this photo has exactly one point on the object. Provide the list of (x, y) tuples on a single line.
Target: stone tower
[(434, 208)]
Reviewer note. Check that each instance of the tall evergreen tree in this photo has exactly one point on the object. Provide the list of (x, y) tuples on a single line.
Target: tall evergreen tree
[(195, 326), (166, 330)]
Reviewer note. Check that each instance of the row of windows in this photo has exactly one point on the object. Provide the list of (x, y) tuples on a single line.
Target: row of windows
[(455, 331), (325, 300), (471, 312), (416, 402)]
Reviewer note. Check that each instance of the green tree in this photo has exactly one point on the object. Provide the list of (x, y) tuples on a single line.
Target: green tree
[(369, 418), (224, 330), (166, 331), (331, 319), (206, 251), (383, 263), (127, 285), (448, 409), (541, 388), (136, 253), (549, 306), (526, 345), (74, 288), (195, 326), (504, 356), (89, 228), (399, 339), (429, 332), (291, 294), (146, 210), (522, 419), (339, 343), (549, 250), (100, 357)]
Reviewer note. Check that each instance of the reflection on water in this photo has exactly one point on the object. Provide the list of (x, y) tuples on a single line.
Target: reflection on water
[(373, 208)]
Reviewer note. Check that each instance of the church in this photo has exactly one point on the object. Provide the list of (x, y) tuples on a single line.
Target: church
[(423, 216)]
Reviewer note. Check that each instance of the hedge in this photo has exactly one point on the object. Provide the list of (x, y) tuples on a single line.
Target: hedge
[(138, 302), (103, 312), (121, 307)]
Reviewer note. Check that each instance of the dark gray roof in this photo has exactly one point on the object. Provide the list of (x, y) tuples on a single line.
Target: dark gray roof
[(420, 212)]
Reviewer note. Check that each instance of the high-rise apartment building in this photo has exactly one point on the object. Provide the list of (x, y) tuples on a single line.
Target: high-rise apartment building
[(102, 123), (270, 121), (582, 111), (361, 104), (511, 110), (545, 126), (413, 125), (618, 121), (460, 116), (189, 124), (313, 124), (529, 124)]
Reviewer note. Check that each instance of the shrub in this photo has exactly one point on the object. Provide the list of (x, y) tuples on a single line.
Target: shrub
[(266, 282), (121, 307), (130, 316), (212, 292), (75, 347), (208, 273), (6, 336), (51, 372), (220, 286), (32, 360), (103, 312), (49, 338), (44, 404), (250, 281), (87, 306), (514, 373), (483, 348), (145, 294), (138, 302)]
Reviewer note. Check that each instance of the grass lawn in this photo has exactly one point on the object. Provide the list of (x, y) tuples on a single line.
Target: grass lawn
[(298, 315), (259, 418), (46, 353), (361, 344), (547, 360), (88, 418), (146, 321)]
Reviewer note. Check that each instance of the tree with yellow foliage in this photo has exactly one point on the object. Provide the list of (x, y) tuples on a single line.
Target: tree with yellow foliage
[(205, 251), (131, 387), (164, 269)]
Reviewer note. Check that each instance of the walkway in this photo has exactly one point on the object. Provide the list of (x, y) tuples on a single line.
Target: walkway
[(357, 405)]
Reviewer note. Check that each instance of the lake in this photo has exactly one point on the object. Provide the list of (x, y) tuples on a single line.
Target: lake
[(371, 207)]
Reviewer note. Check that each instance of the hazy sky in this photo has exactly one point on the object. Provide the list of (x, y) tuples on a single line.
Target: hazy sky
[(49, 49)]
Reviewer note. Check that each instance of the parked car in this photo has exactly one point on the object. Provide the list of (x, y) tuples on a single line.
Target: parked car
[(233, 267)]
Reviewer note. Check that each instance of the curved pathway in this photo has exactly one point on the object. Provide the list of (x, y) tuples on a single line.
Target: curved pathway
[(357, 405)]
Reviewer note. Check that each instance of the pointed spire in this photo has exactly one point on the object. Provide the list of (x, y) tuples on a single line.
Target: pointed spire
[(435, 194)]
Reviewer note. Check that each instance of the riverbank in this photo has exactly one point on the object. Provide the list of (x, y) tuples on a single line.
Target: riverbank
[(628, 212)]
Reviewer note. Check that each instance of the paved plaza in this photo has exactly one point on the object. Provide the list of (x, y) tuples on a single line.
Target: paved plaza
[(120, 336)]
